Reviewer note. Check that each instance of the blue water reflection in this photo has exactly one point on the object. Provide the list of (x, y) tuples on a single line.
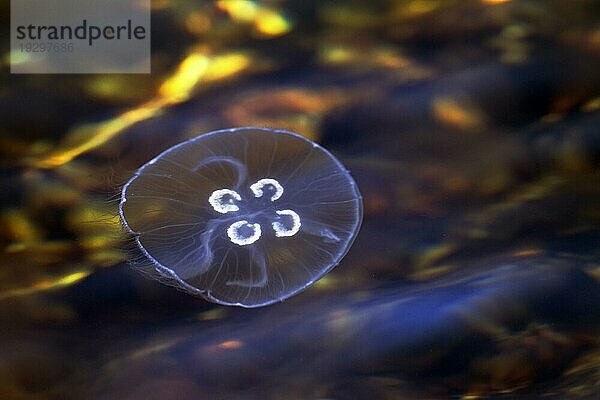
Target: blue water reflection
[(417, 332)]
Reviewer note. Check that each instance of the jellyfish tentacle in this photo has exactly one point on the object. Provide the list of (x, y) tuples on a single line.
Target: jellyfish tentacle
[(206, 240), (198, 260), (218, 272), (217, 158), (176, 163), (315, 229), (260, 262), (205, 253), (242, 171)]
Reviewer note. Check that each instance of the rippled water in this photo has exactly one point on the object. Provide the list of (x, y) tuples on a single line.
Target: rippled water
[(471, 129)]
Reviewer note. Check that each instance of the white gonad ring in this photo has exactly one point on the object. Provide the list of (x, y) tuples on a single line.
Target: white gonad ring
[(222, 200), (243, 233), (257, 188), (281, 230)]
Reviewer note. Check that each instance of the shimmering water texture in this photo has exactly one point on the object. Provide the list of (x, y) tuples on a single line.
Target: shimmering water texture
[(246, 216)]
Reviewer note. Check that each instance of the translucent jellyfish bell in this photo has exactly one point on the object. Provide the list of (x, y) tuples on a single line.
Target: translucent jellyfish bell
[(245, 216)]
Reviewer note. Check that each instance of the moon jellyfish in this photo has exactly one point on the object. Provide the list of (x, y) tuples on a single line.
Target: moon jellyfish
[(246, 216)]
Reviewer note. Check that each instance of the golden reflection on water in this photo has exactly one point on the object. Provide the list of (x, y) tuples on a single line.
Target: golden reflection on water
[(175, 89), (45, 285)]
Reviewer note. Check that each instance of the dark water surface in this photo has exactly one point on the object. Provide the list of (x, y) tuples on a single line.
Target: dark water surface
[(472, 129)]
